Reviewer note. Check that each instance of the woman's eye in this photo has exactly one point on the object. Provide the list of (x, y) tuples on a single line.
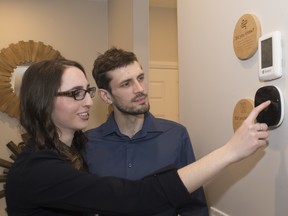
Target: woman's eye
[(77, 92)]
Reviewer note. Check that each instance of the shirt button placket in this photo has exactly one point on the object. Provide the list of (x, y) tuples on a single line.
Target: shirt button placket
[(129, 161)]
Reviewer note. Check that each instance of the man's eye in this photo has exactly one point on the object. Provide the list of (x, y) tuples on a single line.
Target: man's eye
[(125, 84)]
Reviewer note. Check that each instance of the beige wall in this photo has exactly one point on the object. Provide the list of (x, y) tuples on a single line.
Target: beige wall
[(129, 27), (78, 29), (212, 80)]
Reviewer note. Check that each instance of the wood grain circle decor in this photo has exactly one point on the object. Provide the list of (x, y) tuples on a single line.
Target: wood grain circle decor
[(21, 53), (241, 111), (246, 34)]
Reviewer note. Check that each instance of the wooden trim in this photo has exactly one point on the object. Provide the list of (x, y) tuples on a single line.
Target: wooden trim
[(163, 65)]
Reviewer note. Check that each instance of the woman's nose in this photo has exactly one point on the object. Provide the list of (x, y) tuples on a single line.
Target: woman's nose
[(88, 100)]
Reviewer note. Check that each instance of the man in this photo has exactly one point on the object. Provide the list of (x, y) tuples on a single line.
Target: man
[(132, 143)]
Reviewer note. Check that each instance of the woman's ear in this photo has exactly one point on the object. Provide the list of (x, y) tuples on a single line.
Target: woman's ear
[(105, 96)]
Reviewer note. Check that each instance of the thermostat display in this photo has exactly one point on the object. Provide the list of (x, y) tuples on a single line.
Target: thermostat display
[(270, 56)]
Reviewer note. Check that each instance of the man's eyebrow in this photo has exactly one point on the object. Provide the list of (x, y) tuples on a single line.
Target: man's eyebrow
[(126, 80)]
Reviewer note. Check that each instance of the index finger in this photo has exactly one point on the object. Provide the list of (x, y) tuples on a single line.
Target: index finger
[(255, 112)]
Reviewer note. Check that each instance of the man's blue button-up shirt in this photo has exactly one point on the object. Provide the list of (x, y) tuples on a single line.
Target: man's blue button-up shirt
[(159, 143)]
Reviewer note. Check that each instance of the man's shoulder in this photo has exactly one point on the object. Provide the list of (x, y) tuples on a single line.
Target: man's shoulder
[(97, 131), (169, 124), (93, 130)]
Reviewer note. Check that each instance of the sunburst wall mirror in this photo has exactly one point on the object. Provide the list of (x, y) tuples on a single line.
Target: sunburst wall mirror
[(14, 60)]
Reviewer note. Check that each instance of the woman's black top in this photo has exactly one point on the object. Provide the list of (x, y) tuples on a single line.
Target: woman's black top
[(43, 183)]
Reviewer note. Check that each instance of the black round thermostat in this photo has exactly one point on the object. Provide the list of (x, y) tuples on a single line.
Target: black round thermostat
[(273, 114)]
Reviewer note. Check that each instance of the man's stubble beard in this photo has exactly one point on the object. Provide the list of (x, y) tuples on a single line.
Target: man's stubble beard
[(132, 110)]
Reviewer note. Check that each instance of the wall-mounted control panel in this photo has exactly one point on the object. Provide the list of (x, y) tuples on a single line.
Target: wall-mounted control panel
[(270, 56), (273, 114)]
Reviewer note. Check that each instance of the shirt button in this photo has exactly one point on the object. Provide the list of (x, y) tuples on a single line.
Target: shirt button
[(130, 165)]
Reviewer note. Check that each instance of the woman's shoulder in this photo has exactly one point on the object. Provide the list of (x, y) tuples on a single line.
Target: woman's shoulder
[(37, 160)]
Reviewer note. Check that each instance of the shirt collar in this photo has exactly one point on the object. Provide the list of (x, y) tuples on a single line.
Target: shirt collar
[(150, 125)]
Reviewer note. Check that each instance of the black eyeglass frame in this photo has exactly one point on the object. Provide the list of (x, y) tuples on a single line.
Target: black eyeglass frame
[(75, 93)]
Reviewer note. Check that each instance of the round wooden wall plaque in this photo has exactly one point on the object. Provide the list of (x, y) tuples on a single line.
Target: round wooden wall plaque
[(241, 112), (246, 34)]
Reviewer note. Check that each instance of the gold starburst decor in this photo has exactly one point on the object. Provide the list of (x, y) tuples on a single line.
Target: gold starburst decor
[(14, 55), (15, 149)]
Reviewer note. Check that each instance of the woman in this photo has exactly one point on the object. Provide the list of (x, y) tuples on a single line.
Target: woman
[(49, 178)]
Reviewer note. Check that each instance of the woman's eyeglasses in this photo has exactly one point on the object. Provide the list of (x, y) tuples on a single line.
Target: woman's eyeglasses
[(78, 94)]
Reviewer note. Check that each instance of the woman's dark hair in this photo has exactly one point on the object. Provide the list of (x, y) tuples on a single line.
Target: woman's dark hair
[(40, 84), (112, 59)]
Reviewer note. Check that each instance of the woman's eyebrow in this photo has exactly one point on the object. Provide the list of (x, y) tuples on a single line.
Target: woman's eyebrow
[(76, 88)]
